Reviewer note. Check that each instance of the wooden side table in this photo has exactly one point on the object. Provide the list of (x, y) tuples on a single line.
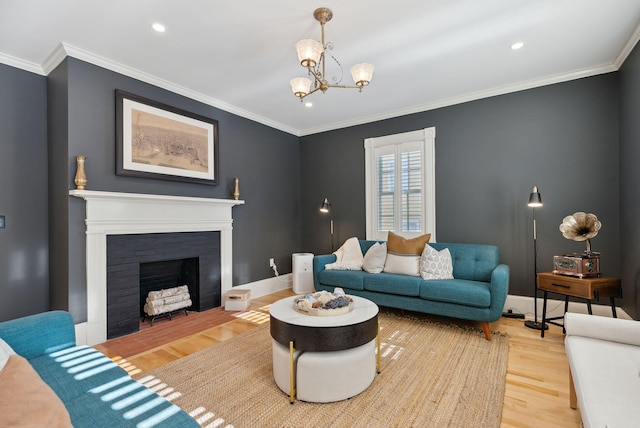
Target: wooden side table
[(584, 288)]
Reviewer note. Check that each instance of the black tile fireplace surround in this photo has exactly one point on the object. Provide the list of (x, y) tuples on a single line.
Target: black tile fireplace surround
[(125, 253)]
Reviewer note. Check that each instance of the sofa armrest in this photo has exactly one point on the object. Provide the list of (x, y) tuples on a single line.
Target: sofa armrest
[(319, 262), (39, 334), (499, 289), (602, 328)]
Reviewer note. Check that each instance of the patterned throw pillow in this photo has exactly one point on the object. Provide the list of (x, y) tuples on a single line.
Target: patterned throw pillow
[(436, 264)]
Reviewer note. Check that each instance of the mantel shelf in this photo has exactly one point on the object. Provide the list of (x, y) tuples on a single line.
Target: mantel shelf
[(97, 194)]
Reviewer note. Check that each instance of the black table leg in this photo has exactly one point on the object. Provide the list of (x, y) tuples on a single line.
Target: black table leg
[(613, 307), (566, 309), (544, 313), (589, 306)]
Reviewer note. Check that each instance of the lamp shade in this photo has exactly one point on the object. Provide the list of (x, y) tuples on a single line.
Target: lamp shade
[(309, 52), (535, 200), (300, 86), (325, 206), (362, 74)]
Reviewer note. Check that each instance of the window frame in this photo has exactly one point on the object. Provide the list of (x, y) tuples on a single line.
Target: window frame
[(425, 140)]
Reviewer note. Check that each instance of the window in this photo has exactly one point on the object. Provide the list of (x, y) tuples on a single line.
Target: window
[(400, 184)]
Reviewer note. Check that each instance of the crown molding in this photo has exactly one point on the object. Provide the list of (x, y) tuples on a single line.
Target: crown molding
[(627, 49), (29, 66), (501, 90), (66, 50)]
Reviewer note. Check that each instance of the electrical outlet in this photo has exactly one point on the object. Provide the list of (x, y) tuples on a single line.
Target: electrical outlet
[(272, 263)]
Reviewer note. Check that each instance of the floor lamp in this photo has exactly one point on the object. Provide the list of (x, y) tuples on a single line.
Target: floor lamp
[(535, 201), (325, 207)]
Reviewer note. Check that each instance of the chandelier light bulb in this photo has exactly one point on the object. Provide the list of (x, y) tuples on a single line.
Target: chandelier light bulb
[(309, 52), (300, 86), (362, 74)]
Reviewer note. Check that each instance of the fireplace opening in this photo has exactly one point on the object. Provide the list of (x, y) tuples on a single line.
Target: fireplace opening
[(191, 258), (161, 275)]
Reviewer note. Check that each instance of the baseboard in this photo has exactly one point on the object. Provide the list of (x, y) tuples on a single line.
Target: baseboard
[(555, 308), (268, 286)]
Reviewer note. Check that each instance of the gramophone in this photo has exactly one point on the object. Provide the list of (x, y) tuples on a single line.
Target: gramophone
[(579, 227)]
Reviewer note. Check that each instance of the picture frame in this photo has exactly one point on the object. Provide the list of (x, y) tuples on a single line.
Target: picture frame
[(155, 140)]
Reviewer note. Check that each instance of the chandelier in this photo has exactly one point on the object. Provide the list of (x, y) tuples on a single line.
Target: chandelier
[(312, 56)]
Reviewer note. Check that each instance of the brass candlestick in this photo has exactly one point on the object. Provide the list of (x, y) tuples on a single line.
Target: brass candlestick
[(81, 177), (236, 189)]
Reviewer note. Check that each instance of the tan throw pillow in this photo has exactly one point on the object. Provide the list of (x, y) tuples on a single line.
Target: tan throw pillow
[(399, 245), (25, 400)]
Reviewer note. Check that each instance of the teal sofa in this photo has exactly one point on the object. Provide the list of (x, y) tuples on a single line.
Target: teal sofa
[(95, 391), (477, 292)]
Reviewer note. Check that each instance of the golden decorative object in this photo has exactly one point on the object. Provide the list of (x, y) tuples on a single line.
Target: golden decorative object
[(580, 227), (236, 189), (81, 177), (312, 55)]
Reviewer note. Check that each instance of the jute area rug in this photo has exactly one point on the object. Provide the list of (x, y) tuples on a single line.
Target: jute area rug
[(433, 375)]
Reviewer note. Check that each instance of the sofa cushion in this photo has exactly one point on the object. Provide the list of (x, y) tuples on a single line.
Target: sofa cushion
[(25, 400), (474, 262), (123, 404), (436, 264), (349, 279), (460, 291), (374, 258), (605, 375), (402, 285), (74, 371)]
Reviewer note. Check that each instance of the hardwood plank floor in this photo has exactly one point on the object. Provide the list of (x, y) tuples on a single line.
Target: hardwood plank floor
[(537, 384)]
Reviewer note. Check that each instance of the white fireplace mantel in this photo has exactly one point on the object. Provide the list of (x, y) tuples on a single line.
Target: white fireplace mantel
[(111, 213)]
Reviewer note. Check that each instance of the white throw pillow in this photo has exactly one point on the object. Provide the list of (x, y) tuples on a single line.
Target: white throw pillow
[(436, 264), (404, 264), (375, 257), (5, 353)]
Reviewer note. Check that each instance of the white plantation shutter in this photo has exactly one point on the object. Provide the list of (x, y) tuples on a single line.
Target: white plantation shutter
[(400, 182), (386, 172)]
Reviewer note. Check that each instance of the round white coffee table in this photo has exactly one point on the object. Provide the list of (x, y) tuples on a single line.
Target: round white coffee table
[(324, 358)]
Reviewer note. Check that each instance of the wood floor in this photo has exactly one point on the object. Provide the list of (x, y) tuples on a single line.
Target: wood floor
[(537, 386)]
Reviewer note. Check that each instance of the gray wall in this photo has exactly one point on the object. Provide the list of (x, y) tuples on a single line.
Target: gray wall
[(489, 154), (630, 180), (577, 141), (266, 161), (24, 278)]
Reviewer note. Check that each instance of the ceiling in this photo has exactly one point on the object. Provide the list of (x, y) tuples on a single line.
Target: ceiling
[(239, 55)]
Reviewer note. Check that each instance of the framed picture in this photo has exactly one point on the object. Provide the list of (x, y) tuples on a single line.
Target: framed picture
[(154, 140)]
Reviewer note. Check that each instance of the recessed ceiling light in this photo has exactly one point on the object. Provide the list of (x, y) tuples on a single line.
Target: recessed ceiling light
[(517, 45), (308, 104), (158, 27)]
